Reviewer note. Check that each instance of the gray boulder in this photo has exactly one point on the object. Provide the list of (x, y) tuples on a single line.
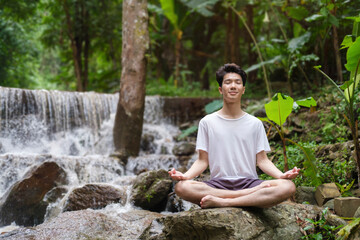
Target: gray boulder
[(94, 196), (23, 202), (184, 149), (88, 224), (284, 221), (305, 195), (150, 190)]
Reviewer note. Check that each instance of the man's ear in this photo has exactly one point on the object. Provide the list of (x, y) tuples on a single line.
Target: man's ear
[(220, 90)]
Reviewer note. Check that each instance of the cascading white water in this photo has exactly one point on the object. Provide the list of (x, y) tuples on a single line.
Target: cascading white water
[(75, 130), (61, 123), (70, 123)]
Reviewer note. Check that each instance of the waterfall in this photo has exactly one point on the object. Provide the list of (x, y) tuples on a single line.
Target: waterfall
[(61, 123), (75, 130), (70, 123)]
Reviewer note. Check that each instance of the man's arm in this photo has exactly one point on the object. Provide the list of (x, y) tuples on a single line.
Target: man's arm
[(270, 169), (196, 169)]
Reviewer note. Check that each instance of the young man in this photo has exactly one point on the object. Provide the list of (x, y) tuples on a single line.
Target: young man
[(232, 142)]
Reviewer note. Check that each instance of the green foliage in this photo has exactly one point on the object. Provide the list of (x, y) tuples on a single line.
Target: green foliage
[(279, 108), (277, 111), (213, 106), (344, 189), (301, 156), (188, 89), (18, 53), (201, 6), (320, 229), (169, 11), (296, 44), (353, 64), (187, 132), (41, 54), (349, 229), (307, 102), (310, 168)]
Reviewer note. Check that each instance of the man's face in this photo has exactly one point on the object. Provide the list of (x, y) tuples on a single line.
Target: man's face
[(232, 87)]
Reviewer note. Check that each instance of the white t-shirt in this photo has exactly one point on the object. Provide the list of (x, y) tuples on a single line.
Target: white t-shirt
[(232, 145)]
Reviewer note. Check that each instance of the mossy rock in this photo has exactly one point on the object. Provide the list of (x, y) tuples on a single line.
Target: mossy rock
[(150, 190)]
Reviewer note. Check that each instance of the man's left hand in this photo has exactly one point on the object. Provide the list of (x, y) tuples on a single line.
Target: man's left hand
[(291, 174)]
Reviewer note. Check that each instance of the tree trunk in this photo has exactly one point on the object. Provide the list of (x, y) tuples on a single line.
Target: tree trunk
[(74, 47), (129, 116), (249, 9), (337, 51), (232, 37)]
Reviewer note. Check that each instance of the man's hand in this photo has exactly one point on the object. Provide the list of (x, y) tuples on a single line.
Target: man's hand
[(176, 175), (291, 174)]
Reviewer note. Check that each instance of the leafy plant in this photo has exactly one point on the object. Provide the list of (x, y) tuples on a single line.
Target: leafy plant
[(344, 189), (277, 111), (346, 231), (320, 229), (168, 7), (347, 90)]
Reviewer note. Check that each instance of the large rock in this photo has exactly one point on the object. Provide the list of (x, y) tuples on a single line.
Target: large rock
[(94, 196), (284, 221), (151, 189), (88, 224), (305, 195), (22, 203), (325, 192), (346, 206), (184, 149)]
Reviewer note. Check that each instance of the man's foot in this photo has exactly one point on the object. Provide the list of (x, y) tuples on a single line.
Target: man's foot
[(210, 201)]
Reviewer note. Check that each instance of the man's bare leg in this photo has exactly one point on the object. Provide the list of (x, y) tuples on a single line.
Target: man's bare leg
[(194, 191), (279, 191)]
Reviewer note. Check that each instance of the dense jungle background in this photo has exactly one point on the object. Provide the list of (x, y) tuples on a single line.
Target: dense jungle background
[(76, 44)]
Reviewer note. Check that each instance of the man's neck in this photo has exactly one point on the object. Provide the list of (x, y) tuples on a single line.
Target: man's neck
[(231, 110)]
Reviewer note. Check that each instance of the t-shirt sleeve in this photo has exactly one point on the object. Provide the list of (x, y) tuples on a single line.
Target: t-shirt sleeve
[(202, 141), (262, 140)]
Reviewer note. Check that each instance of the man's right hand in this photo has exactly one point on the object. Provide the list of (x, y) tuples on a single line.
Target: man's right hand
[(176, 175)]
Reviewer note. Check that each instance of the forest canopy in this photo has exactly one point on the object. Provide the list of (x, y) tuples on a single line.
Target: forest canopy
[(75, 45)]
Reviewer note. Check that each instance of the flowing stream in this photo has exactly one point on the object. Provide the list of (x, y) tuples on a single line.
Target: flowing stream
[(75, 130)]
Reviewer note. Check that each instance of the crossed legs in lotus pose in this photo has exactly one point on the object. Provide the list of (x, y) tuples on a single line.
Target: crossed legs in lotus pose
[(267, 194)]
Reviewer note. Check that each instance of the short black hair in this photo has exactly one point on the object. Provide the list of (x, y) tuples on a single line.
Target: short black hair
[(230, 68)]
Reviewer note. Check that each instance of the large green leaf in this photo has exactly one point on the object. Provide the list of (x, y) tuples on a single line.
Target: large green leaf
[(187, 132), (314, 17), (279, 108), (310, 169), (347, 42), (213, 106), (259, 65), (307, 102), (298, 13), (353, 55), (201, 6), (299, 42), (298, 29), (169, 11), (353, 58)]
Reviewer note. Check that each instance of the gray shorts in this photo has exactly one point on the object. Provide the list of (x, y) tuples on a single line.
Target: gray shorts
[(233, 184)]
